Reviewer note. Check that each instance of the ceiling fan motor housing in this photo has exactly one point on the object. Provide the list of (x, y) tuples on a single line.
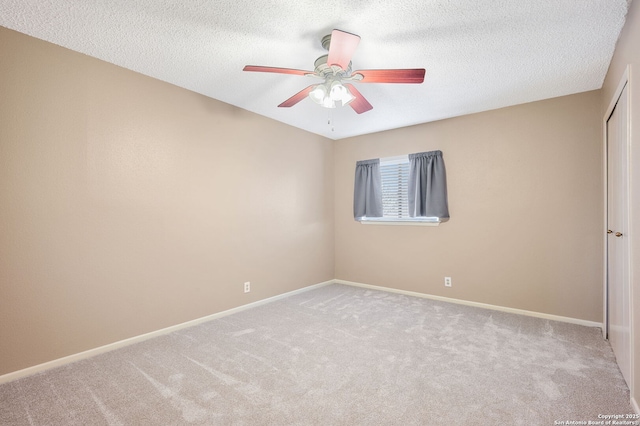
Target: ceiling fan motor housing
[(323, 70)]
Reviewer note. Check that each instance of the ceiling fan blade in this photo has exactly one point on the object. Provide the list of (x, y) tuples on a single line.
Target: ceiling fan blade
[(257, 68), (341, 48), (413, 75), (297, 97), (359, 104)]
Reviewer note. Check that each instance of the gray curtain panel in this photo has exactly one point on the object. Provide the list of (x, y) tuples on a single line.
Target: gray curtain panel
[(367, 192), (427, 185)]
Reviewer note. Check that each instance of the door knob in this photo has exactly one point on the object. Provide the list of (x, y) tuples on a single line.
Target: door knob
[(618, 234), (609, 231)]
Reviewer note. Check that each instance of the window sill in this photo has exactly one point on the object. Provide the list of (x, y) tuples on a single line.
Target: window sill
[(400, 222)]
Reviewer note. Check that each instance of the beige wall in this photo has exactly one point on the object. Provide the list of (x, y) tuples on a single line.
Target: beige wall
[(128, 205), (628, 53), (525, 197)]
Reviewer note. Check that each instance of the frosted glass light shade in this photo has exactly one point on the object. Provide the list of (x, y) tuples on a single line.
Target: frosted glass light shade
[(318, 94)]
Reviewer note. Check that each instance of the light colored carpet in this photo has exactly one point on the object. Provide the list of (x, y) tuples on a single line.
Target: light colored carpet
[(337, 355)]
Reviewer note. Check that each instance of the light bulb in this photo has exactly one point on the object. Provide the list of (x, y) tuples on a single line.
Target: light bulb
[(347, 97), (328, 103), (318, 94), (338, 91)]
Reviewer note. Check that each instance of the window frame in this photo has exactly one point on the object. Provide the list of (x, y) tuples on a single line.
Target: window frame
[(396, 220)]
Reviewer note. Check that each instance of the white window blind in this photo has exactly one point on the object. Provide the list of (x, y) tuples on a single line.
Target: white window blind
[(395, 182)]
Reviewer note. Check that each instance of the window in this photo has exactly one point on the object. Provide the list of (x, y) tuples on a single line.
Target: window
[(404, 190), (394, 173)]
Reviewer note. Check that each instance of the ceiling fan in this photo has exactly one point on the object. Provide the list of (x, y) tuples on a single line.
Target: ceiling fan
[(335, 70)]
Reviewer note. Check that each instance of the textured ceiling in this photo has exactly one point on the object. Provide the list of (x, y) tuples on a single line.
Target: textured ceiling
[(479, 55)]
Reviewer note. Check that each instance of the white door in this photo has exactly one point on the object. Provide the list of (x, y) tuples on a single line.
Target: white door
[(618, 286)]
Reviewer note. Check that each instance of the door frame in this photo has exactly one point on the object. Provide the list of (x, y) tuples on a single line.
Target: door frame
[(624, 82)]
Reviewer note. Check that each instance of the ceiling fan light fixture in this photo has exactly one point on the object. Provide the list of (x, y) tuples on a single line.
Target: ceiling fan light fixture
[(321, 95), (331, 94)]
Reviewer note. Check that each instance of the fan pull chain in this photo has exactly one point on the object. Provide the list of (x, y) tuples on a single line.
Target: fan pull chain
[(329, 118)]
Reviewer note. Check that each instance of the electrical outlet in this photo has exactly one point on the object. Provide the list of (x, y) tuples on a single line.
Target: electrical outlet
[(447, 281), (247, 287)]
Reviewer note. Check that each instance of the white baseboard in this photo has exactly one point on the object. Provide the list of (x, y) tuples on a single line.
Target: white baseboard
[(476, 304), (136, 339), (112, 346)]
